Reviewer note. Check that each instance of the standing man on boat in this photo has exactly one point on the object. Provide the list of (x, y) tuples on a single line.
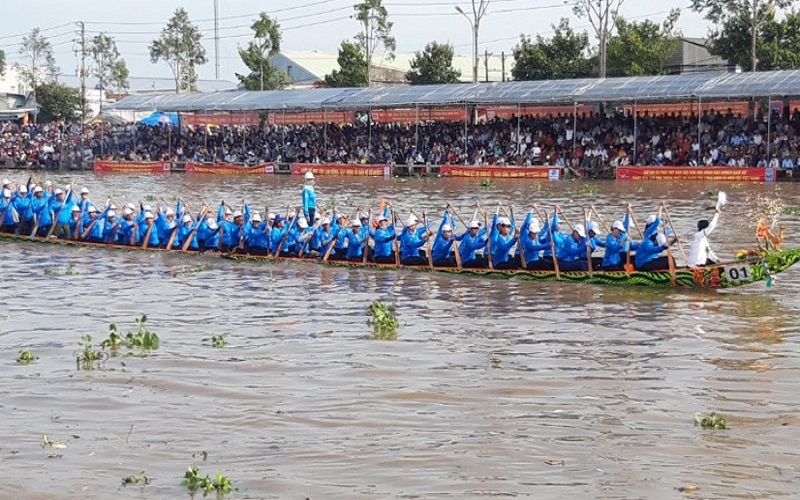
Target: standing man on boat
[(309, 197), (700, 253)]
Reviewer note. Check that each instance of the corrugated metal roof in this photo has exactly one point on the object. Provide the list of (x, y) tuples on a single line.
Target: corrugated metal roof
[(642, 89)]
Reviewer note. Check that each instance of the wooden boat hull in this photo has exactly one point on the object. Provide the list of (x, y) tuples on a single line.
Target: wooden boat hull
[(726, 275)]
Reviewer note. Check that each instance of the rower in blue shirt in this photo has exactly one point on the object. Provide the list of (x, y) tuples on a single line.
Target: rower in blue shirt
[(442, 250), (93, 229), (648, 253), (503, 237), (531, 246), (279, 229), (110, 228), (148, 231), (356, 237), (572, 255), (472, 240), (22, 203), (256, 236), (384, 236), (411, 243), (40, 211), (186, 230), (615, 248)]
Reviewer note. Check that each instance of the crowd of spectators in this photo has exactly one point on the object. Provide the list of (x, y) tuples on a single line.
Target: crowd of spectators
[(591, 144)]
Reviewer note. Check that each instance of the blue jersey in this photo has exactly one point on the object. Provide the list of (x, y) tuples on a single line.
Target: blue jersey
[(648, 251), (309, 200), (410, 243), (469, 244), (501, 245), (384, 241)]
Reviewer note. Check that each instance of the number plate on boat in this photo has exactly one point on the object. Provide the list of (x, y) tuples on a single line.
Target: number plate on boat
[(738, 273)]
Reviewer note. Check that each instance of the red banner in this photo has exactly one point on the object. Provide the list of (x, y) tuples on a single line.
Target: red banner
[(217, 119), (491, 112), (131, 167), (550, 173), (227, 169), (687, 108), (421, 114), (342, 169), (696, 174), (307, 117)]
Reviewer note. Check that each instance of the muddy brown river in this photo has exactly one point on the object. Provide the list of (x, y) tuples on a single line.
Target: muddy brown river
[(493, 389)]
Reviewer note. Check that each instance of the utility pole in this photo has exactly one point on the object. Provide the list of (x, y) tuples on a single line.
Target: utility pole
[(503, 64), (82, 27), (478, 11), (216, 39), (486, 55)]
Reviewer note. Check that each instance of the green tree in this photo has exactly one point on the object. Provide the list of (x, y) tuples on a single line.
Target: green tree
[(733, 12), (377, 31), (109, 67), (777, 43), (181, 48), (433, 65), (2, 62), (641, 48), (352, 70), (265, 44), (58, 102), (602, 15), (40, 64), (563, 56)]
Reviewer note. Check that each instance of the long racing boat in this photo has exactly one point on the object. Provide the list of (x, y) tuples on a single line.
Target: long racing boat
[(754, 266)]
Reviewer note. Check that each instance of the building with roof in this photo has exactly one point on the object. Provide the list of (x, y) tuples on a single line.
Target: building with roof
[(307, 69), (692, 55)]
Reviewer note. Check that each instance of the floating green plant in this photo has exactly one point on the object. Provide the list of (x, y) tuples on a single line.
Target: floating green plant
[(712, 421), (384, 323), (26, 357), (588, 190), (193, 481), (140, 478), (218, 341), (143, 339), (86, 356), (487, 184)]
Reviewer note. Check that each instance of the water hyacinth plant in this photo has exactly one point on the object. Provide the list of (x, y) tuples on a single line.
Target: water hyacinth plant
[(383, 321)]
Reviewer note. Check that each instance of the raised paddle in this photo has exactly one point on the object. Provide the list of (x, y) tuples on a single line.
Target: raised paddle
[(366, 240), (148, 233), (395, 243), (586, 219), (633, 218), (190, 236), (428, 239), (58, 214), (552, 243), (520, 248), (564, 216), (669, 220), (488, 243), (600, 218), (285, 236)]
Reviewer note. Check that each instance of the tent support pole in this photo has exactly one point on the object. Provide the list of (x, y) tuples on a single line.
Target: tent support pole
[(369, 135), (699, 131), (635, 133), (466, 119), (519, 139), (769, 127), (574, 128), (416, 128)]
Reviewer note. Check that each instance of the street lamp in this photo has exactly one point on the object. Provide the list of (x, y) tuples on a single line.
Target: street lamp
[(478, 11)]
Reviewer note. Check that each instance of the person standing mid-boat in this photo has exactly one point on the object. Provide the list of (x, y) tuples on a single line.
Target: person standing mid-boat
[(309, 197), (700, 253)]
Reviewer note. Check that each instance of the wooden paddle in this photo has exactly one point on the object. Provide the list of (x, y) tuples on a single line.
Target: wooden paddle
[(173, 234), (286, 235), (600, 218), (428, 239), (552, 242), (308, 239), (148, 233), (190, 236), (520, 246), (633, 218), (395, 243), (586, 218), (488, 243), (680, 245), (88, 229), (57, 215), (35, 227), (366, 240)]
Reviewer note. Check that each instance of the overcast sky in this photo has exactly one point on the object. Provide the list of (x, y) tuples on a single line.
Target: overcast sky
[(307, 25)]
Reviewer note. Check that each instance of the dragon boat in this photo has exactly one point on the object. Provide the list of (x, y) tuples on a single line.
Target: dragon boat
[(753, 266)]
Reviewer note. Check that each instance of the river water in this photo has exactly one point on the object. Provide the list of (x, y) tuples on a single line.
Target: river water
[(492, 388)]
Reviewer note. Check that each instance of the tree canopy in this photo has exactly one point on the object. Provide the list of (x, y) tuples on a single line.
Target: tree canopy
[(108, 66), (733, 12), (433, 65), (58, 102), (352, 70), (180, 47), (565, 55), (256, 56), (40, 63), (602, 16), (777, 42), (641, 48), (376, 32)]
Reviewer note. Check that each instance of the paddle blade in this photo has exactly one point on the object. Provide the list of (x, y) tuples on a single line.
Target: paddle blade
[(722, 199)]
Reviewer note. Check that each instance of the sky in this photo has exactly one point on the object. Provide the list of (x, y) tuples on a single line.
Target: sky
[(318, 25)]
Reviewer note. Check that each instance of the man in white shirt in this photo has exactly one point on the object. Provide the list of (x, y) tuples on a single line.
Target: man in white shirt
[(700, 253)]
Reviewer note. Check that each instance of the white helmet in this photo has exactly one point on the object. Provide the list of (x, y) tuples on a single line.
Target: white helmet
[(309, 175)]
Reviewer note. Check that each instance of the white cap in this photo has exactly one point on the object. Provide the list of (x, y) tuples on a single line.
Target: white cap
[(170, 211), (237, 214), (85, 191), (228, 211), (474, 224), (309, 175), (148, 208), (92, 209), (131, 206), (363, 215), (48, 183), (355, 223), (127, 211), (148, 215), (37, 189), (650, 219), (534, 227), (291, 214), (76, 208), (111, 213), (414, 217), (618, 225), (446, 227), (411, 221), (256, 217), (661, 239), (271, 216), (324, 221), (593, 226), (6, 181), (211, 223), (503, 221), (187, 218), (6, 193), (23, 189), (58, 191), (317, 216), (580, 230), (382, 218), (302, 223)]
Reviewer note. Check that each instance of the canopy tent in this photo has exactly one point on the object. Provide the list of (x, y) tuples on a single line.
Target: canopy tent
[(642, 88), (158, 118)]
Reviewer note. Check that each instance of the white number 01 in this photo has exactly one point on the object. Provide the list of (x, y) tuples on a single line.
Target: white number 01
[(738, 273)]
